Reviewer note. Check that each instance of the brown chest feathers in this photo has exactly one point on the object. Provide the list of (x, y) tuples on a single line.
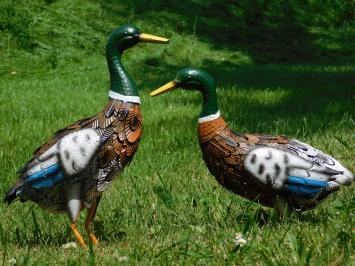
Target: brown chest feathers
[(224, 152), (126, 122), (120, 121)]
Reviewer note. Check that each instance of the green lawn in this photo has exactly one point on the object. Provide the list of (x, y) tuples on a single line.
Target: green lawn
[(166, 208), (273, 76)]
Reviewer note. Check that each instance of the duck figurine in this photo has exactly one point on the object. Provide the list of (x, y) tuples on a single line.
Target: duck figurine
[(275, 171), (71, 170)]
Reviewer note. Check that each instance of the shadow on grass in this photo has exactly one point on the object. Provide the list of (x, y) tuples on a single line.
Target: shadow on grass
[(267, 31), (43, 238), (323, 93), (267, 217), (36, 234), (108, 235)]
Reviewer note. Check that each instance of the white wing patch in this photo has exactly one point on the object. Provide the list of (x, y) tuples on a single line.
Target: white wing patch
[(272, 166), (77, 149), (74, 153)]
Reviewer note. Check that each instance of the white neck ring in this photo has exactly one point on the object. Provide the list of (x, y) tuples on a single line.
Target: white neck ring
[(125, 98), (209, 117)]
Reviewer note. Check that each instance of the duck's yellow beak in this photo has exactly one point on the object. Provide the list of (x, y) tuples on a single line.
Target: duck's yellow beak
[(165, 88), (144, 37)]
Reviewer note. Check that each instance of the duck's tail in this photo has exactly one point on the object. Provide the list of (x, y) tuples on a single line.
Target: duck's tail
[(11, 195)]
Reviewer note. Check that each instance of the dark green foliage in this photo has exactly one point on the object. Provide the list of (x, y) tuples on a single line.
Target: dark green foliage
[(267, 30), (17, 19)]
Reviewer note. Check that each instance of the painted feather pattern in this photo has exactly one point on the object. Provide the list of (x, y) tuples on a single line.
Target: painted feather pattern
[(119, 127), (225, 153), (274, 171)]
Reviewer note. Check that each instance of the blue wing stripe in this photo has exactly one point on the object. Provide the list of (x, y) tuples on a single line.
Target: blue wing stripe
[(43, 173), (306, 182), (304, 186), (58, 178), (303, 191), (43, 184), (46, 183)]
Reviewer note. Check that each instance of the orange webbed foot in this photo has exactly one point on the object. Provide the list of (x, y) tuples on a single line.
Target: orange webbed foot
[(78, 235), (93, 239)]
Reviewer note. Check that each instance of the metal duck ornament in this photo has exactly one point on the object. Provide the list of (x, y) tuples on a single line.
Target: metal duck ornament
[(70, 171), (273, 170)]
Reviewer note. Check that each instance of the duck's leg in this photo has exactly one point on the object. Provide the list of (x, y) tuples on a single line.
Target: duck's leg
[(78, 235), (281, 207), (73, 194), (89, 218)]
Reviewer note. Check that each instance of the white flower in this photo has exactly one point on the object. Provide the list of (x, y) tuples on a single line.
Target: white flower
[(12, 261), (240, 240), (122, 259), (69, 245)]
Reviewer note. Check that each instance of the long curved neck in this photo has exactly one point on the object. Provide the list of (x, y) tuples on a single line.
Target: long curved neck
[(120, 80), (210, 122), (209, 100)]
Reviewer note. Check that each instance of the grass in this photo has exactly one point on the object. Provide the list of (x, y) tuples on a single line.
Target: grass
[(166, 208)]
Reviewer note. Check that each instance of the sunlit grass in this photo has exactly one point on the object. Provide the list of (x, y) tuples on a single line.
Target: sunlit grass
[(166, 207)]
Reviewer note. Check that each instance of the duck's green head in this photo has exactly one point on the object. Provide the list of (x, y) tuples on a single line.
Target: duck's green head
[(194, 79), (127, 36), (190, 79), (124, 37)]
